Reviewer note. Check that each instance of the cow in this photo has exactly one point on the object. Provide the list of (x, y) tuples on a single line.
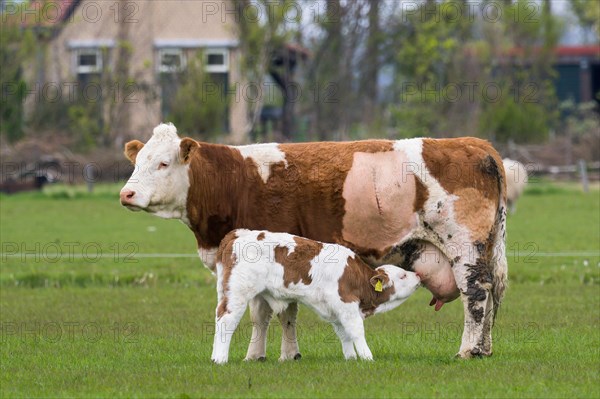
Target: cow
[(283, 269), (436, 207), (516, 180)]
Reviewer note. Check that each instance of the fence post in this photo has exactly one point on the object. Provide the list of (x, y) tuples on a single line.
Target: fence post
[(584, 176)]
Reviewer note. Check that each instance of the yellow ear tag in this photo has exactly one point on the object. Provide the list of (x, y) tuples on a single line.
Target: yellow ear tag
[(378, 286)]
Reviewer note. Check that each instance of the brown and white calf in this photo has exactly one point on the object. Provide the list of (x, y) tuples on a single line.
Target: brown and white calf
[(283, 269), (432, 206)]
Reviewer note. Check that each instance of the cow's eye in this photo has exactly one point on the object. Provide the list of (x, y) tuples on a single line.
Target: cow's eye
[(163, 165)]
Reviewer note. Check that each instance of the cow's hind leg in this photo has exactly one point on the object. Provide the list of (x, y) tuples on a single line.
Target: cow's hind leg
[(260, 316), (474, 280), (289, 341), (474, 275), (488, 323)]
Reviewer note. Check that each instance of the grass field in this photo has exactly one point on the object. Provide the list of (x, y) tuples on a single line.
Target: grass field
[(86, 311)]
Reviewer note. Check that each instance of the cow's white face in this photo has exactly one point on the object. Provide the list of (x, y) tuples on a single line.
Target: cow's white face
[(160, 181)]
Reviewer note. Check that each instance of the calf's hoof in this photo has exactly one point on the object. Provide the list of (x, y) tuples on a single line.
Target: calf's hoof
[(255, 359), (287, 357)]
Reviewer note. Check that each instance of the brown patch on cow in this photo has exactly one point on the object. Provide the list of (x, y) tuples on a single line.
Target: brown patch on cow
[(355, 286), (421, 196), (296, 266), (228, 259), (260, 236), (132, 148), (218, 192), (468, 168), (476, 211), (304, 198)]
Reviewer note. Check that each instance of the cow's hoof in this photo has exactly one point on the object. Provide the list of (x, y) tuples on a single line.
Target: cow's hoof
[(476, 352), (473, 352), (297, 356), (261, 359)]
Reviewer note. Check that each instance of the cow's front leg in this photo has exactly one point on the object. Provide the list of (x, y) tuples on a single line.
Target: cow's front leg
[(475, 282), (260, 315), (289, 341)]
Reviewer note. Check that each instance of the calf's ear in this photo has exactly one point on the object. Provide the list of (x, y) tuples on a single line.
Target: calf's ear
[(381, 279), (186, 148), (132, 148)]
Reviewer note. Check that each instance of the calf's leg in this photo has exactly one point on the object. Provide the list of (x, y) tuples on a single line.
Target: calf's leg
[(260, 315), (289, 342), (226, 323), (355, 330), (347, 345)]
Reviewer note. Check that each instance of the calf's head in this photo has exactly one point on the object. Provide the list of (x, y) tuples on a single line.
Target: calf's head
[(160, 182), (403, 282)]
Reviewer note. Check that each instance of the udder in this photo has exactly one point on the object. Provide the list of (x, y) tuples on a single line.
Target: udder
[(436, 275)]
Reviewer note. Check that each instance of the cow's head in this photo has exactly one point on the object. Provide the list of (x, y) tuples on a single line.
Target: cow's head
[(160, 182)]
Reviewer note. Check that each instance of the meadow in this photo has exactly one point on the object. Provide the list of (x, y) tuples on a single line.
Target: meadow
[(96, 301)]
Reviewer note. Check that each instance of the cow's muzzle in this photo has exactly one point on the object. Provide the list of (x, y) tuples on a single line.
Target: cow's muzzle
[(128, 199)]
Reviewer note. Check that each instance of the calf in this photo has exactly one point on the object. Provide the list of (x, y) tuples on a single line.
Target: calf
[(283, 269)]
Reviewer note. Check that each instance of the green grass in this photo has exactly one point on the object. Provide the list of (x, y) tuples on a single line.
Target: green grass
[(141, 326)]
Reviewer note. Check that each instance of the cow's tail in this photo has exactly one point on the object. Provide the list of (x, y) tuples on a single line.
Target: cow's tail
[(498, 262)]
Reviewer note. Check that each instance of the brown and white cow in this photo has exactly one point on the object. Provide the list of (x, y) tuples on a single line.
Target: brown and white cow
[(433, 206), (516, 181)]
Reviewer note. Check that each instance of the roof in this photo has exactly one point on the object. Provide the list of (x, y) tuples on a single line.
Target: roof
[(588, 51), (578, 51)]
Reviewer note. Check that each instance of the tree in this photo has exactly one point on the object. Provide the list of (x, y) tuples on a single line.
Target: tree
[(261, 39), (199, 108), (529, 108), (371, 62), (16, 46), (588, 14)]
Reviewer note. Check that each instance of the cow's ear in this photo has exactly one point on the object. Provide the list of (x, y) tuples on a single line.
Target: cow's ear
[(186, 148), (379, 280), (132, 148)]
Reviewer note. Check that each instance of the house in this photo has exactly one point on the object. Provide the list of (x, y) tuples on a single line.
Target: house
[(578, 70), (148, 42)]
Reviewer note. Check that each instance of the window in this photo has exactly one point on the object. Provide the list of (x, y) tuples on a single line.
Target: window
[(88, 61), (171, 60), (216, 60)]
